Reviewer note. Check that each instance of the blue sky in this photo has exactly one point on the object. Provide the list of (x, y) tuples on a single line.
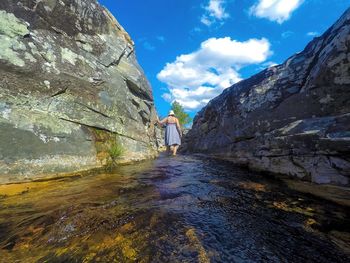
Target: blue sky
[(191, 50)]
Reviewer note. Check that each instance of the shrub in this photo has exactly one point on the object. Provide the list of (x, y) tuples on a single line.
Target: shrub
[(115, 151)]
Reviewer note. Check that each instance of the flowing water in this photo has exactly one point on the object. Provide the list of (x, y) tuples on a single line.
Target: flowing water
[(182, 209)]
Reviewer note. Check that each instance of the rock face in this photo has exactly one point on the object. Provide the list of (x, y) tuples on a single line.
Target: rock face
[(291, 119), (71, 91)]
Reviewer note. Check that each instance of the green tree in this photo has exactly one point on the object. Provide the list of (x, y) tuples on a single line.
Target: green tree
[(180, 113)]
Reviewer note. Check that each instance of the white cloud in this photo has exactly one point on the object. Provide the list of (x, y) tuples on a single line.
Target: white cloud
[(313, 34), (206, 21), (216, 9), (167, 97), (192, 99), (193, 79), (214, 12), (275, 10), (269, 64)]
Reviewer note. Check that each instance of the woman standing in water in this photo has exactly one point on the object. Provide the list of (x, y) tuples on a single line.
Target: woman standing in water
[(172, 133)]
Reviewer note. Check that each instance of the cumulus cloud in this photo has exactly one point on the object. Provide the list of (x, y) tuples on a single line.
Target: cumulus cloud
[(275, 10), (214, 12), (192, 99), (193, 79)]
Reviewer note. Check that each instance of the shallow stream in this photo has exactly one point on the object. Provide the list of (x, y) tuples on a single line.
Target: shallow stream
[(172, 209)]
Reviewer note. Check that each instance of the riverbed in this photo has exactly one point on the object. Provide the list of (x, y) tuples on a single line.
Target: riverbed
[(172, 209)]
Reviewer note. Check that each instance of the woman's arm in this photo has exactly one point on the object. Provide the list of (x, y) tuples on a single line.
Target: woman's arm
[(178, 127), (165, 120)]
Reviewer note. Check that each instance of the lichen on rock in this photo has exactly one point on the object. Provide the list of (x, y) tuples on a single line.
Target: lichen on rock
[(11, 26), (66, 69)]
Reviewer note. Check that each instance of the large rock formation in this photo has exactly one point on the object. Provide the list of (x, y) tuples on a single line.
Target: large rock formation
[(291, 119), (71, 91)]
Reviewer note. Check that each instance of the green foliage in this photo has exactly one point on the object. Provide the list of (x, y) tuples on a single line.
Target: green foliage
[(180, 113), (115, 151), (99, 133)]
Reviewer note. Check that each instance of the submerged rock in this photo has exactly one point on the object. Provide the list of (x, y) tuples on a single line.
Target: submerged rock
[(291, 119), (71, 90)]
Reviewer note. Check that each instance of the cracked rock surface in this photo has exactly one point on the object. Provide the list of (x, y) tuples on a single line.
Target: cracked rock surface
[(68, 73), (291, 119)]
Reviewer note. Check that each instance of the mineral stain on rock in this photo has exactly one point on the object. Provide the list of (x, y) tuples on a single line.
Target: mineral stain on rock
[(68, 74)]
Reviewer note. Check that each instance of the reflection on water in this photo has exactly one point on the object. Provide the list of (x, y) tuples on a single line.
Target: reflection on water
[(182, 209)]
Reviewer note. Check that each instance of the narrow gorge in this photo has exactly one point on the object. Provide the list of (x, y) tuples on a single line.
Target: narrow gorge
[(74, 101)]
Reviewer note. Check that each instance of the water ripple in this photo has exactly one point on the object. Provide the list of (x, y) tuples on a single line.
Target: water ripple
[(183, 209)]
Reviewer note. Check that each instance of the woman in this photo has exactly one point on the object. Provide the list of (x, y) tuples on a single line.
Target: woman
[(172, 133)]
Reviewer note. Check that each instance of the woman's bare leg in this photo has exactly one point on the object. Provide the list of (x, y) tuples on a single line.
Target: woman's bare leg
[(175, 149)]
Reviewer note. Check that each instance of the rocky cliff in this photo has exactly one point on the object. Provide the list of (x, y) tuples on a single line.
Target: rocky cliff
[(72, 94), (291, 119)]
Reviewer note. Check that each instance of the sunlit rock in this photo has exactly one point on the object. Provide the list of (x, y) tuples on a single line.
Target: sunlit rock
[(291, 119), (70, 89)]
